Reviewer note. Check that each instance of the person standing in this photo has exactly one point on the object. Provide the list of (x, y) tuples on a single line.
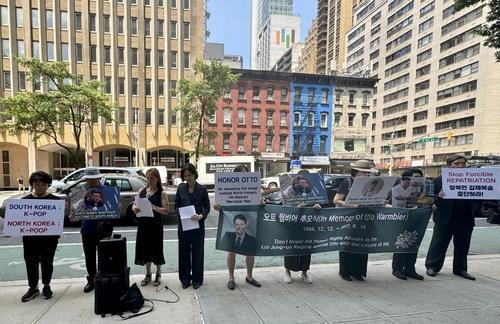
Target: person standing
[(149, 239), (453, 218), (93, 230), (403, 264), (352, 265), (191, 242), (231, 256), (39, 250), (20, 184)]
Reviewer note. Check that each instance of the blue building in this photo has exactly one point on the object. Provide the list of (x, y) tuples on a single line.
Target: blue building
[(311, 113)]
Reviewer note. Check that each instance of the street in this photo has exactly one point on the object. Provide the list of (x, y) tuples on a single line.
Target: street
[(69, 260)]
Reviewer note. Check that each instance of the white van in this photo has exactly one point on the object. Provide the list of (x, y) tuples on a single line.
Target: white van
[(208, 165)]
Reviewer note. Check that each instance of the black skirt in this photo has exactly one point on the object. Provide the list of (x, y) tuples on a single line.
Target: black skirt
[(298, 262), (353, 264), (149, 242)]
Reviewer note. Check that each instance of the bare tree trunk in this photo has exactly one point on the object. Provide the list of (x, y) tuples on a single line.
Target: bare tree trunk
[(200, 132)]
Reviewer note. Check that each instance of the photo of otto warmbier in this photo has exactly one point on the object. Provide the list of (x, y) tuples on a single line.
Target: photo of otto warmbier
[(239, 241)]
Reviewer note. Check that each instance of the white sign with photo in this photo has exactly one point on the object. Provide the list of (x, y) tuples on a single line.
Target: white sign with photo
[(471, 183), (237, 188), (370, 191), (28, 217)]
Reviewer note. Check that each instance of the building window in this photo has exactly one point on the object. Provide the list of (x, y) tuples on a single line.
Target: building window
[(65, 51), (121, 86), (212, 116), (241, 92), (352, 96), (364, 120), (107, 54), (322, 145), (50, 51), (21, 80), (324, 96), (284, 95), (147, 27), (20, 48), (423, 71), (173, 29), (256, 93), (5, 48), (283, 118), (427, 39), (161, 116), (160, 28), (34, 18), (106, 24), (173, 59), (338, 97), (241, 117), (147, 116), (134, 56), (255, 117), (227, 116), (241, 143), (296, 119), (187, 60), (147, 57), (366, 95), (173, 3), (135, 87), (225, 141), (120, 24), (121, 115), (311, 93), (64, 20), (269, 118), (310, 119), (186, 30), (420, 101), (338, 116), (6, 80), (283, 139), (4, 15), (147, 85), (173, 86), (324, 120), (19, 17), (107, 85), (351, 120), (121, 55), (186, 4), (161, 87), (269, 143), (160, 58), (35, 49), (270, 94), (92, 23), (255, 143), (133, 25), (298, 94)]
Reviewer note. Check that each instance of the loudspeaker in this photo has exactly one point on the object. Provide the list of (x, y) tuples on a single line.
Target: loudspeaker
[(109, 288), (112, 255)]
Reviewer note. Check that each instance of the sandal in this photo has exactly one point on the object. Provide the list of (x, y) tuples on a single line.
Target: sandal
[(146, 280), (157, 280)]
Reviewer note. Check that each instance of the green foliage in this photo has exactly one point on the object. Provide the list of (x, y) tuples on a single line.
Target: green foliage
[(198, 97), (490, 30), (72, 102)]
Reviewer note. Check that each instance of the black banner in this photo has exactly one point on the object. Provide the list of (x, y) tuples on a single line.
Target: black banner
[(282, 230)]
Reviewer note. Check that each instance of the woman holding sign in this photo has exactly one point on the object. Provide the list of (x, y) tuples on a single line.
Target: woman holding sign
[(191, 241), (149, 242), (352, 265), (39, 250)]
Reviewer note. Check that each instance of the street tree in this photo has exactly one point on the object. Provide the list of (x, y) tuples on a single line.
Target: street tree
[(69, 101), (198, 98), (490, 30)]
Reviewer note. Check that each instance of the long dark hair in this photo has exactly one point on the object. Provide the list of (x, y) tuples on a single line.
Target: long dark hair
[(191, 168), (155, 173)]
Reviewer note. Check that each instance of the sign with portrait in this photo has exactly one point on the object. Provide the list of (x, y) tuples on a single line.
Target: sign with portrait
[(237, 188), (274, 230), (308, 188), (370, 191), (471, 183), (96, 203)]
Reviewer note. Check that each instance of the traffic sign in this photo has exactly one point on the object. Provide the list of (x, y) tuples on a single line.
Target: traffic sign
[(428, 139)]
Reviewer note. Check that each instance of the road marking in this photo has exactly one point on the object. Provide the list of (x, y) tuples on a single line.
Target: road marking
[(133, 231)]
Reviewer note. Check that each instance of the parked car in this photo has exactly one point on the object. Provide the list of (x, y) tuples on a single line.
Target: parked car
[(128, 185), (58, 185), (270, 182)]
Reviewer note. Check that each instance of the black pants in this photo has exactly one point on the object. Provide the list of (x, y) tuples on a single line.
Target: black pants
[(404, 262), (353, 264), (191, 250), (441, 238), (90, 242), (298, 262), (39, 251)]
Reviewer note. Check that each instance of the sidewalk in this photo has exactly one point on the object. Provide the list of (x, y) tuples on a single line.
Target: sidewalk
[(381, 299)]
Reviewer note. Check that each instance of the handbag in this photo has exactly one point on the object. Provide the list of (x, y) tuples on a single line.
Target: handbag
[(133, 301)]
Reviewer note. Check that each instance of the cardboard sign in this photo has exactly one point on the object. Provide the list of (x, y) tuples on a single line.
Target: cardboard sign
[(237, 188), (370, 191), (29, 217), (471, 183), (306, 188)]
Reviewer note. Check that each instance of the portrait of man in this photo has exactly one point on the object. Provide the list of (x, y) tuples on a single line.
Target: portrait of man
[(239, 241), (94, 199), (373, 187), (401, 193)]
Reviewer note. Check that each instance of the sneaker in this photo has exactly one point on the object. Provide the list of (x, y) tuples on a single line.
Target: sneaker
[(305, 277), (47, 292), (288, 276), (32, 293)]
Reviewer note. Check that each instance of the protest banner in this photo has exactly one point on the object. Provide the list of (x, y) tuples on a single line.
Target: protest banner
[(306, 188), (28, 217), (471, 183), (370, 191), (282, 230), (237, 188), (96, 203)]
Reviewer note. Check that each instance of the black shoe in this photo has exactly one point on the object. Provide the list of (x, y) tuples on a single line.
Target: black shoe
[(196, 285), (399, 274), (231, 285), (185, 285), (253, 282), (413, 274), (431, 273), (32, 293), (465, 274), (359, 277), (47, 292), (345, 277), (90, 285)]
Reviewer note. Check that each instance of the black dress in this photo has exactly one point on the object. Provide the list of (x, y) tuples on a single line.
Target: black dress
[(351, 264), (149, 241)]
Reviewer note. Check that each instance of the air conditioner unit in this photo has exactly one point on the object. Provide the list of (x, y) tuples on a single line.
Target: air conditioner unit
[(241, 149), (211, 148), (269, 123), (255, 149), (269, 149), (227, 96), (227, 120), (283, 123)]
